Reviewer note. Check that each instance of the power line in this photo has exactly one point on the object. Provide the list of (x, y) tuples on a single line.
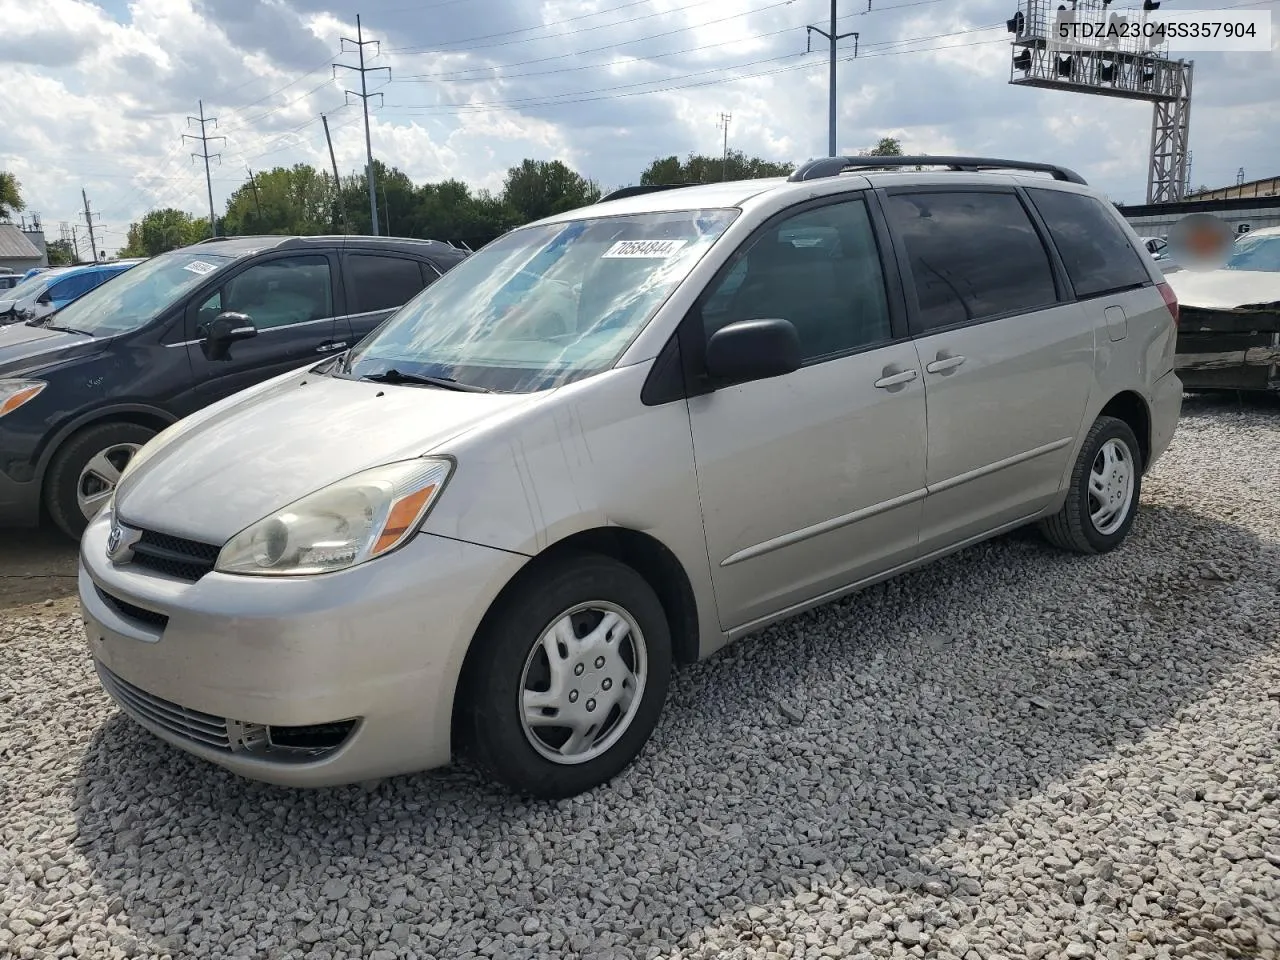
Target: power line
[(204, 139), (360, 43)]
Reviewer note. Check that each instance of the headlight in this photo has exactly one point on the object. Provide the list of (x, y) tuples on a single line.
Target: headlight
[(14, 393), (353, 520)]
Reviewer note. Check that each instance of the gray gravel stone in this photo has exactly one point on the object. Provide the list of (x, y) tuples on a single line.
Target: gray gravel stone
[(1010, 753)]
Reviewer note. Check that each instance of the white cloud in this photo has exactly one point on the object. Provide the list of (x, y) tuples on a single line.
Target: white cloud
[(96, 95)]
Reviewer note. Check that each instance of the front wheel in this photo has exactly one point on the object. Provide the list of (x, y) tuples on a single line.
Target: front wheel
[(1102, 499), (85, 471), (569, 677)]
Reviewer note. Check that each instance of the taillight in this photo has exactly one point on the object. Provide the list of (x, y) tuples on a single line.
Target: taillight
[(1170, 300)]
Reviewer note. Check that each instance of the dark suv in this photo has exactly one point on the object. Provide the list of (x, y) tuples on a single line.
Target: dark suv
[(82, 390)]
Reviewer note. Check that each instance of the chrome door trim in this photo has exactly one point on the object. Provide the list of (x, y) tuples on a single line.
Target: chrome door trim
[(262, 331), (998, 465), (797, 608), (826, 526)]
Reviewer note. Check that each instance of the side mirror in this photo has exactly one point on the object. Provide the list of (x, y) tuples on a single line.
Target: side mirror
[(45, 298), (752, 350), (224, 330)]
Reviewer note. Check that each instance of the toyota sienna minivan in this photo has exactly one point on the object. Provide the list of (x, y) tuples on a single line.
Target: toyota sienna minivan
[(617, 439)]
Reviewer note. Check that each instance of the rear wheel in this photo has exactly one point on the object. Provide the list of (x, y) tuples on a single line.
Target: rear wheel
[(1102, 499), (85, 471), (569, 677)]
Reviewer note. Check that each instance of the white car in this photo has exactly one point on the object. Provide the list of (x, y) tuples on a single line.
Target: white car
[(1229, 328)]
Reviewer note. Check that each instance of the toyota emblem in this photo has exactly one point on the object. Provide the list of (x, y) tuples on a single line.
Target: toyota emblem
[(113, 540)]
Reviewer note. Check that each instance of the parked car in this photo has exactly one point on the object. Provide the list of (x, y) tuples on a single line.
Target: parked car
[(8, 279), (48, 292), (496, 522), (82, 391), (1155, 245), (1229, 332)]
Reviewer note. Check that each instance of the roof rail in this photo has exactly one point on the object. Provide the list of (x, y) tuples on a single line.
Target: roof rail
[(834, 166), (214, 239), (642, 189)]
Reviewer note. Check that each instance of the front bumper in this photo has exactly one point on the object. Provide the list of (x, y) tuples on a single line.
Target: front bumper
[(1229, 349), (381, 644), (19, 502)]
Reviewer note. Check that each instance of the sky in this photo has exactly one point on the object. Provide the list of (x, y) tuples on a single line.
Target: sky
[(95, 96)]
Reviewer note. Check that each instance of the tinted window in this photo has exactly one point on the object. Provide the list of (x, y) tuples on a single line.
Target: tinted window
[(972, 256), (820, 270), (71, 287), (276, 293), (1094, 248), (381, 283)]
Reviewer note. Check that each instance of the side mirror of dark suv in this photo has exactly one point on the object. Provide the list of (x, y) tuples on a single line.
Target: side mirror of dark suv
[(226, 329)]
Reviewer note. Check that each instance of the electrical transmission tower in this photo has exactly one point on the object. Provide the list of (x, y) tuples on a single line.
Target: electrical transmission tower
[(204, 154), (724, 157), (832, 39), (360, 43), (88, 219)]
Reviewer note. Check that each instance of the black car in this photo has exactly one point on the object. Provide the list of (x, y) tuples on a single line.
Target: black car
[(82, 390)]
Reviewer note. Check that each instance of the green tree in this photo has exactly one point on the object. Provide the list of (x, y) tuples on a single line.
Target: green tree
[(887, 147), (10, 195), (60, 253), (161, 230), (540, 188), (287, 200), (698, 168)]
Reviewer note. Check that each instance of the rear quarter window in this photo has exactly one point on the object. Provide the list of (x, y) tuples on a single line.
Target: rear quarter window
[(1096, 251)]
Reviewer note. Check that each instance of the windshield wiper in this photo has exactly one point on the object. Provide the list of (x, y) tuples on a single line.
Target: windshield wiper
[(447, 383), (54, 326)]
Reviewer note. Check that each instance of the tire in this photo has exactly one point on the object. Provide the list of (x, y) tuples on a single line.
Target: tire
[(510, 666), (1074, 527), (115, 442)]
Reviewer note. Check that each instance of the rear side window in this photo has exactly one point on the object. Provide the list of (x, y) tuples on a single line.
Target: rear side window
[(382, 283), (1095, 250), (972, 256)]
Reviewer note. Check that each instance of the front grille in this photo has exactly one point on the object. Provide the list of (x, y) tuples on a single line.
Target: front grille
[(202, 728), (134, 612), (175, 556)]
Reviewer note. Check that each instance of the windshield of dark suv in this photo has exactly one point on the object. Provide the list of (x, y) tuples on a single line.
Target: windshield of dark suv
[(137, 296), (541, 306)]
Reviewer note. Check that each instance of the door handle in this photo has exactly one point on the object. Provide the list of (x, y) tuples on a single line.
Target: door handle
[(943, 364), (896, 379), (331, 346)]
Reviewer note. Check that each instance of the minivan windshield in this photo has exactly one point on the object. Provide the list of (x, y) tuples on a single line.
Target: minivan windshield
[(544, 305), (138, 295)]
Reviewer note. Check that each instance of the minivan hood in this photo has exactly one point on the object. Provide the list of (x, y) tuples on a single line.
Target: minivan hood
[(24, 347), (1224, 289), (218, 474)]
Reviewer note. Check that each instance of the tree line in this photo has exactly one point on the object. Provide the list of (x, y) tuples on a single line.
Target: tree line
[(301, 200)]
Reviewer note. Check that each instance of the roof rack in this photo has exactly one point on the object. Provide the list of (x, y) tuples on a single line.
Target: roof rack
[(834, 166), (643, 189), (214, 240)]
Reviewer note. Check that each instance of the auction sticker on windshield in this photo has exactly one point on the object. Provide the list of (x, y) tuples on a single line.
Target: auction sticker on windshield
[(649, 249), (200, 267)]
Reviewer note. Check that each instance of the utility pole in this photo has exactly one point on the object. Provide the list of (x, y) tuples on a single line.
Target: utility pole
[(360, 43), (724, 157), (337, 181), (204, 153), (75, 241), (832, 39), (257, 204), (88, 219)]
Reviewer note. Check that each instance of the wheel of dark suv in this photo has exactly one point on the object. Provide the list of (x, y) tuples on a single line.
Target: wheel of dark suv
[(85, 471), (569, 677), (1102, 500)]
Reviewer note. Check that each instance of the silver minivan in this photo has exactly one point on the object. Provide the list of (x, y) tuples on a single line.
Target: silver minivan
[(618, 439)]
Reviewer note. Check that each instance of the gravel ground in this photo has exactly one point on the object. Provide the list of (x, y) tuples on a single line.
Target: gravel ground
[(1013, 753)]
